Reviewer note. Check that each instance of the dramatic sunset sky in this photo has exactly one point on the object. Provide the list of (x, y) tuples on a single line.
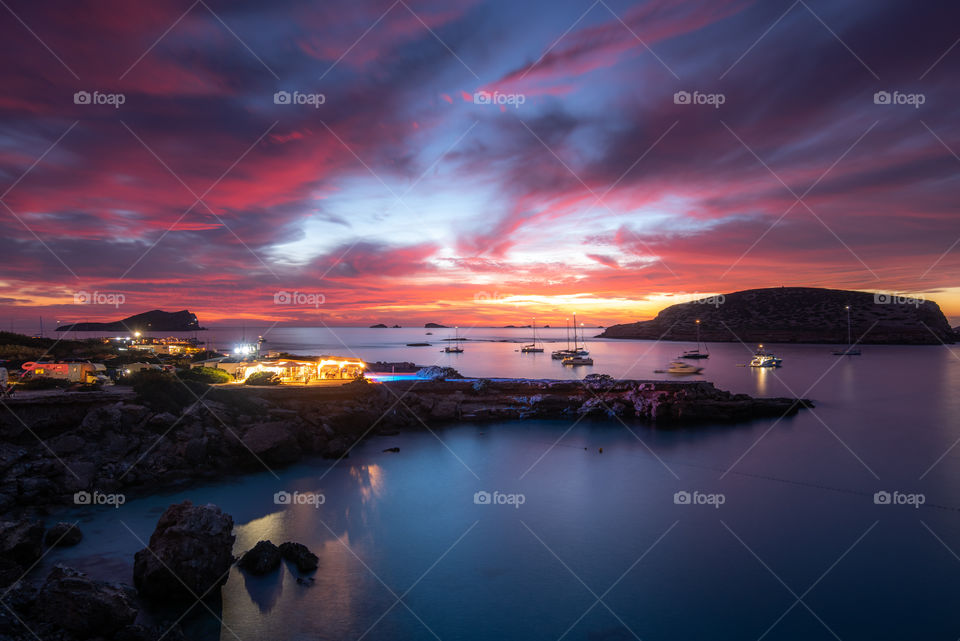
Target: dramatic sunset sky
[(402, 200)]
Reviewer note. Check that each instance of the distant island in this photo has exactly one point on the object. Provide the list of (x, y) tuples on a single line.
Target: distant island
[(152, 321), (796, 315), (435, 326), (378, 326)]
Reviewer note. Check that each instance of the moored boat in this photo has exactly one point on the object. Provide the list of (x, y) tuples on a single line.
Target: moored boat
[(763, 359)]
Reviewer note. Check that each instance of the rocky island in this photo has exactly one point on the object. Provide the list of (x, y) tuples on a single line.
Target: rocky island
[(152, 321), (796, 315)]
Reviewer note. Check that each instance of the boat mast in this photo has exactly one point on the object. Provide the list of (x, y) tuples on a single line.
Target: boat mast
[(849, 338), (567, 321), (574, 331)]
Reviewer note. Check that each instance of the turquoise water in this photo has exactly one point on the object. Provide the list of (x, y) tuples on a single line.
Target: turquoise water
[(796, 512)]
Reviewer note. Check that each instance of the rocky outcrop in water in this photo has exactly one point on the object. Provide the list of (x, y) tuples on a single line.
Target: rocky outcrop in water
[(300, 556), (262, 558), (189, 554), (63, 535)]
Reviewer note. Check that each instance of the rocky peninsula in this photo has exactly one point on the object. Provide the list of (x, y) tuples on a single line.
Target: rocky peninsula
[(796, 315), (55, 445), (152, 321)]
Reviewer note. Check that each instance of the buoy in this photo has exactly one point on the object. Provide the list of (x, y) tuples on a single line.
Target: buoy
[(601, 450)]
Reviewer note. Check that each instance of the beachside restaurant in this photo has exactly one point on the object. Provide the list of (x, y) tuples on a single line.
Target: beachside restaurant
[(293, 370)]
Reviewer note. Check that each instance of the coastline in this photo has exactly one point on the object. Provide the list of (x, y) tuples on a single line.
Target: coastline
[(56, 445)]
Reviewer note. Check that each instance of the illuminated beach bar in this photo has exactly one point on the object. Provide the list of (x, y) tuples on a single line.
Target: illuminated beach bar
[(293, 370)]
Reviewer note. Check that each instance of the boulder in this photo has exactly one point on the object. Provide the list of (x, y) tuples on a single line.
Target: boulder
[(299, 555), (72, 601), (272, 442), (63, 535), (189, 554), (21, 544), (264, 557)]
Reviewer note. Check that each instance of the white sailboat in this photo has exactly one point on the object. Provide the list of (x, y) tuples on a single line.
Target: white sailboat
[(532, 347), (850, 350), (456, 349), (561, 354), (696, 353)]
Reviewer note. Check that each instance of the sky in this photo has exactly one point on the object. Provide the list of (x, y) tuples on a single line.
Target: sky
[(355, 162)]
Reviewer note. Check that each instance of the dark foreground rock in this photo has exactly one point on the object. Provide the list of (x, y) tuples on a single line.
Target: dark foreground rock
[(21, 544), (72, 601), (262, 558), (189, 554), (63, 535), (300, 556)]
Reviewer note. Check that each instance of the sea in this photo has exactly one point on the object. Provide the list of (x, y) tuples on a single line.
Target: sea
[(841, 522)]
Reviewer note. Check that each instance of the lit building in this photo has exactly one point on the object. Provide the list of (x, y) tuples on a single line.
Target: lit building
[(292, 370)]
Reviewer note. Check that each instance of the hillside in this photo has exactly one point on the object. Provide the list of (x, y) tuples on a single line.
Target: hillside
[(795, 315), (152, 321)]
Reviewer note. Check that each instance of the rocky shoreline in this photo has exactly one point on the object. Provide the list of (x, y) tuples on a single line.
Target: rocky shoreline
[(54, 447)]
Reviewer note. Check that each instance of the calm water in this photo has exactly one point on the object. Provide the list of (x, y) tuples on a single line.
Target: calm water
[(798, 517)]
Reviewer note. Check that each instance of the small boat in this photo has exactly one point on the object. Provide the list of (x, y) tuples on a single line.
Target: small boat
[(763, 359), (696, 353), (418, 344), (850, 350), (678, 367), (532, 347), (579, 351), (429, 333), (578, 360), (455, 349), (561, 354)]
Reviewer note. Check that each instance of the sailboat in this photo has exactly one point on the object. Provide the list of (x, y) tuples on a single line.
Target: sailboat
[(456, 349), (851, 350), (582, 350), (561, 354), (696, 353), (532, 347)]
